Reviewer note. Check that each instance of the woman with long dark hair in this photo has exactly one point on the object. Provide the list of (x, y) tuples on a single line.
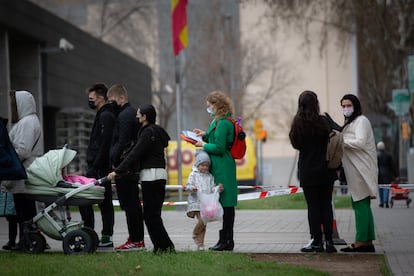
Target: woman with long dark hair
[(309, 134)]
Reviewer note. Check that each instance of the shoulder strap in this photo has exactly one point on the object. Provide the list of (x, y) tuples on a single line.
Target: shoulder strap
[(37, 140)]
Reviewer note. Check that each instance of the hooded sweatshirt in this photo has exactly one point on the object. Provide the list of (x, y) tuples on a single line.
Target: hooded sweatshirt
[(148, 152), (26, 136)]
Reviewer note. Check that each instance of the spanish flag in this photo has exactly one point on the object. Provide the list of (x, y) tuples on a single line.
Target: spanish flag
[(179, 25)]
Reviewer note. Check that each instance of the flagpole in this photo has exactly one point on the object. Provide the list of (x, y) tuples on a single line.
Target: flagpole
[(178, 112), (180, 41)]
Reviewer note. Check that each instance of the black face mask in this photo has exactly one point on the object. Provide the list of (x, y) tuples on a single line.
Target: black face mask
[(115, 106), (92, 105)]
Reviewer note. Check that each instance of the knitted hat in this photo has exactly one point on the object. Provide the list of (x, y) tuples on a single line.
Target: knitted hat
[(201, 157)]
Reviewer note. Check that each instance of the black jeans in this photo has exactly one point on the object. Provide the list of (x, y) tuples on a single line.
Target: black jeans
[(107, 213), (319, 201), (128, 195), (153, 193)]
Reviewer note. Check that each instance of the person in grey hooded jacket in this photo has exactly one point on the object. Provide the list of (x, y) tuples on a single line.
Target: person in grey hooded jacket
[(27, 138)]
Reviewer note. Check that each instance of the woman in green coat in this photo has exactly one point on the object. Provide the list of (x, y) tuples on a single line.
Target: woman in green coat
[(218, 139)]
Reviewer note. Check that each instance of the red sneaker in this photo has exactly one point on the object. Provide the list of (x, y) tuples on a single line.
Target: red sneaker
[(131, 246)]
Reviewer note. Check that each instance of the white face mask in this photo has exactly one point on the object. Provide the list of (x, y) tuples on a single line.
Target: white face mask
[(210, 110), (347, 111)]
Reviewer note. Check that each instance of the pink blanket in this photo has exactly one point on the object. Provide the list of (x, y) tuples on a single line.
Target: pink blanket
[(78, 179)]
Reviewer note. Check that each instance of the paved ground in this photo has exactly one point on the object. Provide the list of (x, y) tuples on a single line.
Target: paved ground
[(281, 231)]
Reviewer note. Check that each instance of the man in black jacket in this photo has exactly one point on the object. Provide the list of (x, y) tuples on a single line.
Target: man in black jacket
[(97, 157), (124, 138)]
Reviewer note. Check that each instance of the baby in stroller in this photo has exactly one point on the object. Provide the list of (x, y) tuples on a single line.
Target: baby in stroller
[(47, 183)]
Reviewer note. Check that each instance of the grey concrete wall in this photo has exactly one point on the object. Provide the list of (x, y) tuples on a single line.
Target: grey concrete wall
[(70, 73), (28, 37)]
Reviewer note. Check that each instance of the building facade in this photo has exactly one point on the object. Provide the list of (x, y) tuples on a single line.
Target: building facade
[(57, 62)]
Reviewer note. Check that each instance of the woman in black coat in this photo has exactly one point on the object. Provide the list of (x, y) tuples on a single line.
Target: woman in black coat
[(309, 134), (148, 158)]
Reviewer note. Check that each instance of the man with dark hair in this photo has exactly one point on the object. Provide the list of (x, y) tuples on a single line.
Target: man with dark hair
[(97, 158), (124, 137)]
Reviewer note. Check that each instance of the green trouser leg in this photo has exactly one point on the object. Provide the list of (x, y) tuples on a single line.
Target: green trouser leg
[(364, 220)]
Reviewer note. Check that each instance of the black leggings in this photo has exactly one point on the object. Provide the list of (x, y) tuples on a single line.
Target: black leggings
[(319, 201), (228, 223), (153, 193)]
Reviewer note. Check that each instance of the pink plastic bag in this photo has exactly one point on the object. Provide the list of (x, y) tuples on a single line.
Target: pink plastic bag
[(210, 207)]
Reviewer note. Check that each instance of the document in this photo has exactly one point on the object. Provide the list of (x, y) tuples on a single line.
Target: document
[(190, 136)]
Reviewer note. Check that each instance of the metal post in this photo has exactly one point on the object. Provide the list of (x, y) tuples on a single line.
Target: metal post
[(258, 163), (229, 48), (178, 112)]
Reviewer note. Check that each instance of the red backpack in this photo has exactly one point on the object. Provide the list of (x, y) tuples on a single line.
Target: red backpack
[(238, 148)]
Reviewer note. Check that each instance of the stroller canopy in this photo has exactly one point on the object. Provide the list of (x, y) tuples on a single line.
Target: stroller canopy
[(47, 169)]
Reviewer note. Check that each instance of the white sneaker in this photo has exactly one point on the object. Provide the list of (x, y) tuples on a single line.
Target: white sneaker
[(309, 243)]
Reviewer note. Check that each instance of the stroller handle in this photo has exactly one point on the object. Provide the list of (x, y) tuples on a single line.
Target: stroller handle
[(102, 181)]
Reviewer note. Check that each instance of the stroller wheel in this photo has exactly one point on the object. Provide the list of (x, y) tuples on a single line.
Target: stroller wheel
[(34, 243), (77, 242), (94, 238)]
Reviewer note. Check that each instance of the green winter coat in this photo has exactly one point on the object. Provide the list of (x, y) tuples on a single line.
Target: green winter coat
[(223, 167)]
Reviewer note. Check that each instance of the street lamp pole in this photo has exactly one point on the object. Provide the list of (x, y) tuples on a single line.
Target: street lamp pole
[(178, 112), (229, 46)]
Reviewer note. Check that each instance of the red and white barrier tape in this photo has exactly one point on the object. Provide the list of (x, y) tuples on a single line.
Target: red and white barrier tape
[(177, 187), (246, 196), (256, 195)]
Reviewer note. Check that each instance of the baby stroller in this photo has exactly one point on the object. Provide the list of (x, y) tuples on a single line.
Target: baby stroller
[(45, 184), (399, 193)]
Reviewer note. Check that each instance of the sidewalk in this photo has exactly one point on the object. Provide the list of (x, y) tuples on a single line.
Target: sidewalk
[(280, 231)]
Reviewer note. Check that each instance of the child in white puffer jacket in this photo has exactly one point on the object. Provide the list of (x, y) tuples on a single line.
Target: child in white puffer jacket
[(200, 180)]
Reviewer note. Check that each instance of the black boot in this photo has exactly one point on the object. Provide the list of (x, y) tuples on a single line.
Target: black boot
[(227, 245), (228, 242), (330, 248), (219, 243)]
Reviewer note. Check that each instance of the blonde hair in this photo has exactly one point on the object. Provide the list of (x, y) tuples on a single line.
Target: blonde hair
[(221, 102), (118, 90)]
